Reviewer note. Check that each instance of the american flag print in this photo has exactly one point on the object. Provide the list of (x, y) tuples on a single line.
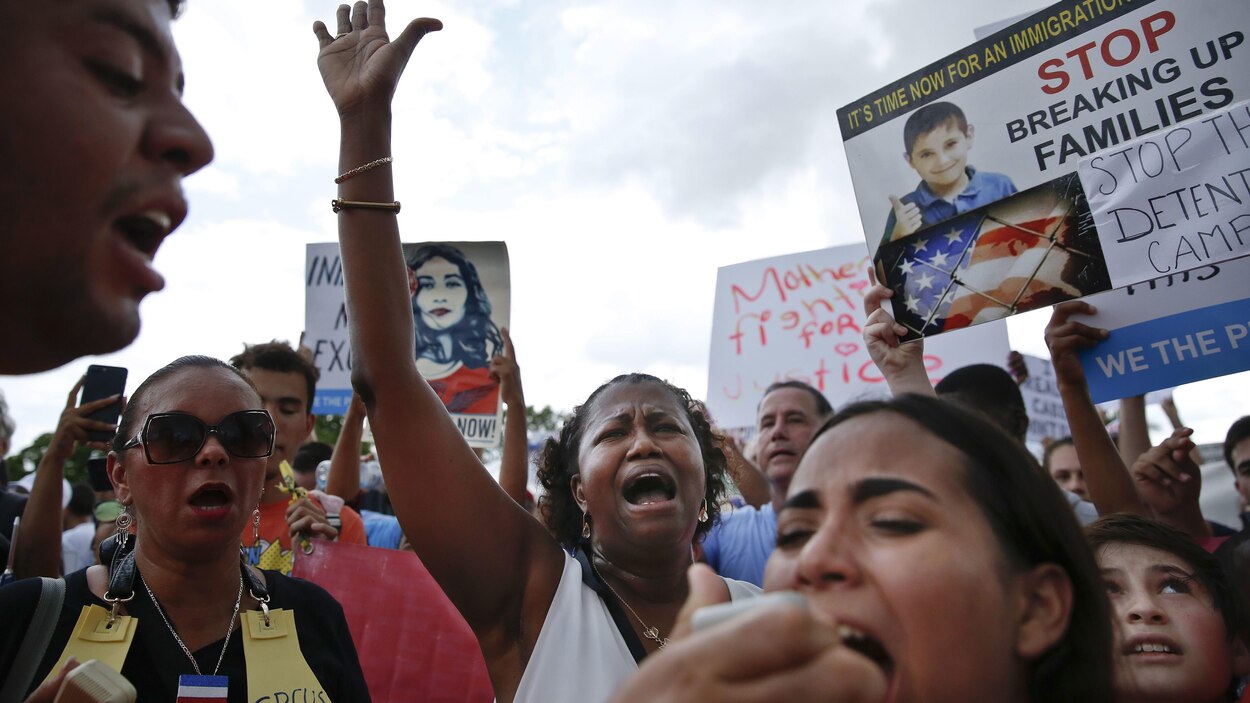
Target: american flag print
[(1031, 250)]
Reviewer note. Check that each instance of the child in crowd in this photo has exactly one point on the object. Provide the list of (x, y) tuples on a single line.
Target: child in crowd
[(1178, 632), (936, 141)]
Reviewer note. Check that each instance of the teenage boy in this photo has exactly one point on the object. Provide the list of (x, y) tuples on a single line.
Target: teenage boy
[(936, 141), (789, 414), (1237, 454), (287, 382)]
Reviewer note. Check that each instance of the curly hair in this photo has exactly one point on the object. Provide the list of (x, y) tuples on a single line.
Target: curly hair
[(475, 339), (559, 463)]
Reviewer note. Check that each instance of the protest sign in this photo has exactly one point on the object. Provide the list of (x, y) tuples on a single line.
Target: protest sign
[(325, 328), (801, 317), (461, 296), (1173, 200), (1047, 419), (1171, 330), (412, 642), (965, 170)]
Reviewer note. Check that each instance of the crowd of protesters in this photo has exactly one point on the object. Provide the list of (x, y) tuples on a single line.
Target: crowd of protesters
[(926, 553)]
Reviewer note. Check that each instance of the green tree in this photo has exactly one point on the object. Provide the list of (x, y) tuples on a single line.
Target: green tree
[(25, 461), (545, 418)]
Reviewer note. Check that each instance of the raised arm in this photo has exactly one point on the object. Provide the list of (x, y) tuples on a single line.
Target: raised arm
[(515, 462), (491, 559), (901, 364), (1134, 437), (343, 479), (1110, 487), (37, 546)]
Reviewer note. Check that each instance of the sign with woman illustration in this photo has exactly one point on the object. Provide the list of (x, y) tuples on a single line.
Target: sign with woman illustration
[(461, 296)]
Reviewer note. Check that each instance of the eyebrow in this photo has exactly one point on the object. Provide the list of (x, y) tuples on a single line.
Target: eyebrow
[(143, 35), (869, 488), (802, 500)]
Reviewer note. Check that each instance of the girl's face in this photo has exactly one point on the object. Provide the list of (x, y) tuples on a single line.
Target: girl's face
[(198, 506), (642, 473), (441, 294), (881, 536), (1171, 643)]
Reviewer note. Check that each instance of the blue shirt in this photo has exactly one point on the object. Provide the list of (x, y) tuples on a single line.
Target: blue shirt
[(381, 530), (739, 545), (983, 188)]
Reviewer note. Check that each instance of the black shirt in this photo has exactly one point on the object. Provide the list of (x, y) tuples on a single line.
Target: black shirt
[(155, 661)]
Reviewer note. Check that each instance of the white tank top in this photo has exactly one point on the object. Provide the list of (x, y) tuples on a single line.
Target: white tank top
[(580, 656)]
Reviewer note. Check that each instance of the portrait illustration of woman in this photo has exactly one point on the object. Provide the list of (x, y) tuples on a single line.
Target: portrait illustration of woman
[(455, 336)]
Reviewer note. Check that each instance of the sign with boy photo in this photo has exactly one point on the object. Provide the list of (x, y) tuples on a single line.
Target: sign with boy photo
[(966, 170), (461, 296)]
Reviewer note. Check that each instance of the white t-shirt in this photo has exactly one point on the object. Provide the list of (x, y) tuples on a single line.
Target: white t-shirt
[(76, 547), (580, 656)]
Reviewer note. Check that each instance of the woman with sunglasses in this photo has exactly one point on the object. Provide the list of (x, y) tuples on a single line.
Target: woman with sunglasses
[(188, 464)]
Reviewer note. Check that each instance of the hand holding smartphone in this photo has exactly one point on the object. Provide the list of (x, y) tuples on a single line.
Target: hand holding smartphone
[(99, 383)]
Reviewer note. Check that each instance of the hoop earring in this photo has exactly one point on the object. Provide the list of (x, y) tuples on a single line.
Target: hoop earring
[(585, 526), (703, 511), (124, 521)]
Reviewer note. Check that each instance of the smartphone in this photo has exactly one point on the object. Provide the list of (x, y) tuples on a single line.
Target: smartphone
[(97, 474), (102, 382), (711, 615)]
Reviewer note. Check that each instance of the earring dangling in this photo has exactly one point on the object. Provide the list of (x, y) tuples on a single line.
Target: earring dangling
[(585, 526), (256, 527), (124, 521), (703, 511)]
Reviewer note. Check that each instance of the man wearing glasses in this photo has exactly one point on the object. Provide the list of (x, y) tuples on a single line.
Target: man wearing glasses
[(287, 383)]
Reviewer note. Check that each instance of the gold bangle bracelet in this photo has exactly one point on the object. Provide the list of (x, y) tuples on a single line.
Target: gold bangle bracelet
[(361, 169), (340, 204)]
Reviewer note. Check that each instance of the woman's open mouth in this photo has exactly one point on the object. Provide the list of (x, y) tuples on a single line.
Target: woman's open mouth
[(869, 647), (211, 501), (649, 488)]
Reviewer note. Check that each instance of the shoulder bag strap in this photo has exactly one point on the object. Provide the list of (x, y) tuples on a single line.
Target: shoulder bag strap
[(591, 579), (35, 643)]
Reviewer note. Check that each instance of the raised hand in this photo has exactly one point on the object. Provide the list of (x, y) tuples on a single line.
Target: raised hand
[(1166, 476), (360, 64), (504, 370), (1066, 337), (901, 364), (74, 424)]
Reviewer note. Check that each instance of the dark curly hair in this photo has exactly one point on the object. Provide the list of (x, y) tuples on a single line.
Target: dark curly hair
[(475, 339), (558, 463)]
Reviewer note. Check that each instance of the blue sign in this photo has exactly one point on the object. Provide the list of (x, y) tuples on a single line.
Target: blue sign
[(1170, 351)]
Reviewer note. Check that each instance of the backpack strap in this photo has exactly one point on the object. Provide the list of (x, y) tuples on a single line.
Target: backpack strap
[(35, 643)]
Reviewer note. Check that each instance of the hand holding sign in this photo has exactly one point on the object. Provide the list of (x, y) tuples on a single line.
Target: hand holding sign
[(902, 365), (1066, 337), (906, 218)]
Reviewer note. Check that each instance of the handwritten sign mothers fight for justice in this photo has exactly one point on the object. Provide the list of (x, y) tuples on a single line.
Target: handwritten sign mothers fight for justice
[(1175, 200), (801, 317)]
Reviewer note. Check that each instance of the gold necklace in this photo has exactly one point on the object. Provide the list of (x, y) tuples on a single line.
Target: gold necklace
[(651, 633)]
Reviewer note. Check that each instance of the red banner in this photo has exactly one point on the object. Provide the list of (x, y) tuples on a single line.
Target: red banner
[(413, 644)]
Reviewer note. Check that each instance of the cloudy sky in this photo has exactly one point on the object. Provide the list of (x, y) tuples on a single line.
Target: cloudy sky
[(623, 150)]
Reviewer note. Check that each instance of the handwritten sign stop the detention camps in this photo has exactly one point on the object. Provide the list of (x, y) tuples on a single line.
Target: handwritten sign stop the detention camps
[(461, 296), (1174, 200), (801, 317)]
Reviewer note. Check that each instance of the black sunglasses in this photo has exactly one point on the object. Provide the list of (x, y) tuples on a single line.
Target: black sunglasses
[(168, 438)]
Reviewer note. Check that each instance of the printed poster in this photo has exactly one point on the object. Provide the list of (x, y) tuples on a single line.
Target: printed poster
[(801, 317), (965, 171), (461, 296)]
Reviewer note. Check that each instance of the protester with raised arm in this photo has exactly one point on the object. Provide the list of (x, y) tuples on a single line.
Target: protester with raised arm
[(633, 478)]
